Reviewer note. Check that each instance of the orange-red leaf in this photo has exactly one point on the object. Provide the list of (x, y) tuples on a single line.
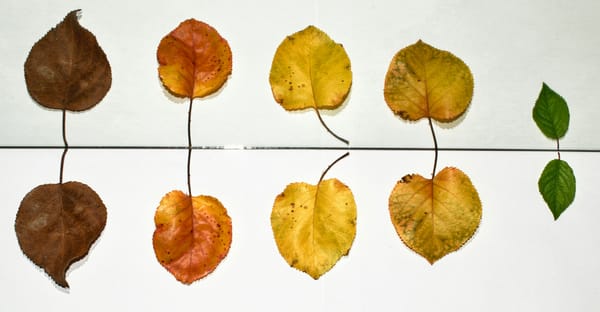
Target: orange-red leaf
[(192, 236), (194, 60)]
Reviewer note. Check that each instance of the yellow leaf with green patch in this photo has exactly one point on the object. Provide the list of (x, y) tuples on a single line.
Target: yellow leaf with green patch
[(423, 81)]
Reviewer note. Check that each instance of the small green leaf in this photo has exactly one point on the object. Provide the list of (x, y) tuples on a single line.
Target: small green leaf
[(551, 113), (557, 186)]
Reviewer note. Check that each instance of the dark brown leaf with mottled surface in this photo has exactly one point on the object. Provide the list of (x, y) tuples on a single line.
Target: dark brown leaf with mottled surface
[(67, 69), (57, 224)]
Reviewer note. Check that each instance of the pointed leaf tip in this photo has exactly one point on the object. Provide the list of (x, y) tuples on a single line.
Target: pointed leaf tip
[(551, 113)]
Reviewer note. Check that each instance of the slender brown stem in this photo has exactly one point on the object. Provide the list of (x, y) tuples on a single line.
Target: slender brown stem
[(189, 130), (558, 148), (331, 165), (435, 147), (64, 135), (329, 130)]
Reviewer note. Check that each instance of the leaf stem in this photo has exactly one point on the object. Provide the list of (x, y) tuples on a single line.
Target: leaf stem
[(329, 130), (558, 148), (189, 133), (331, 165), (66, 148), (435, 147)]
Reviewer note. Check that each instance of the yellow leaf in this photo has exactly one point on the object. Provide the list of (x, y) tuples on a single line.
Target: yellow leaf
[(192, 236), (194, 60), (310, 70), (435, 217), (314, 226), (423, 81)]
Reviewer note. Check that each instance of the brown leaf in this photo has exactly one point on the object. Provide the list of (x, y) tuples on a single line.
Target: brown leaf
[(57, 224), (67, 69)]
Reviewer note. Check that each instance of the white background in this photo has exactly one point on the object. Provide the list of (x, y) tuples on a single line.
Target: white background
[(519, 260)]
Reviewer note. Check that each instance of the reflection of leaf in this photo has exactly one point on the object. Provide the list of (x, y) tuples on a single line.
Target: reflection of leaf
[(551, 113), (314, 226), (192, 236), (67, 69), (194, 60), (310, 70), (423, 81), (56, 225), (435, 217), (557, 186)]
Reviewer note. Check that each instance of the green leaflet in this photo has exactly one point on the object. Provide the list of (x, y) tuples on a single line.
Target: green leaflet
[(557, 186), (551, 113)]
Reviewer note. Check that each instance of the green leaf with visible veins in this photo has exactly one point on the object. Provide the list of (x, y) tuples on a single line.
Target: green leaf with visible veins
[(557, 186), (551, 113)]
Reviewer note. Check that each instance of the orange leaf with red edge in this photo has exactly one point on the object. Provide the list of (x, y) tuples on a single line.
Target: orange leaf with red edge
[(192, 236), (194, 60)]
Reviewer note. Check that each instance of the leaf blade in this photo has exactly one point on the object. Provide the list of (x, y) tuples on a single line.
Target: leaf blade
[(56, 225), (193, 235), (423, 81), (67, 69), (435, 217), (557, 186), (314, 226), (551, 113), (310, 70), (194, 60)]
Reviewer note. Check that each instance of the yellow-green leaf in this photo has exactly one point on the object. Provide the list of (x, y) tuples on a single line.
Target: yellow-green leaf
[(314, 226), (310, 70), (435, 217), (423, 81)]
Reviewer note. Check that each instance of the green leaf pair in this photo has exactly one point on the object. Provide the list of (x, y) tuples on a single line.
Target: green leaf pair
[(557, 182)]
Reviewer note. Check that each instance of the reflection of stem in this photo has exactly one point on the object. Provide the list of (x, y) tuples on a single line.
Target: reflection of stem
[(558, 148), (329, 130), (189, 183), (435, 147), (331, 165), (64, 135)]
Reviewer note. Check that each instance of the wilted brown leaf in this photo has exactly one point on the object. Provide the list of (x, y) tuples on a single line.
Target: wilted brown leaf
[(56, 225), (67, 69)]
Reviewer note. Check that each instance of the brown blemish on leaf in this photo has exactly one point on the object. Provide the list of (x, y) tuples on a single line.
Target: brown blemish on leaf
[(57, 223), (67, 69)]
